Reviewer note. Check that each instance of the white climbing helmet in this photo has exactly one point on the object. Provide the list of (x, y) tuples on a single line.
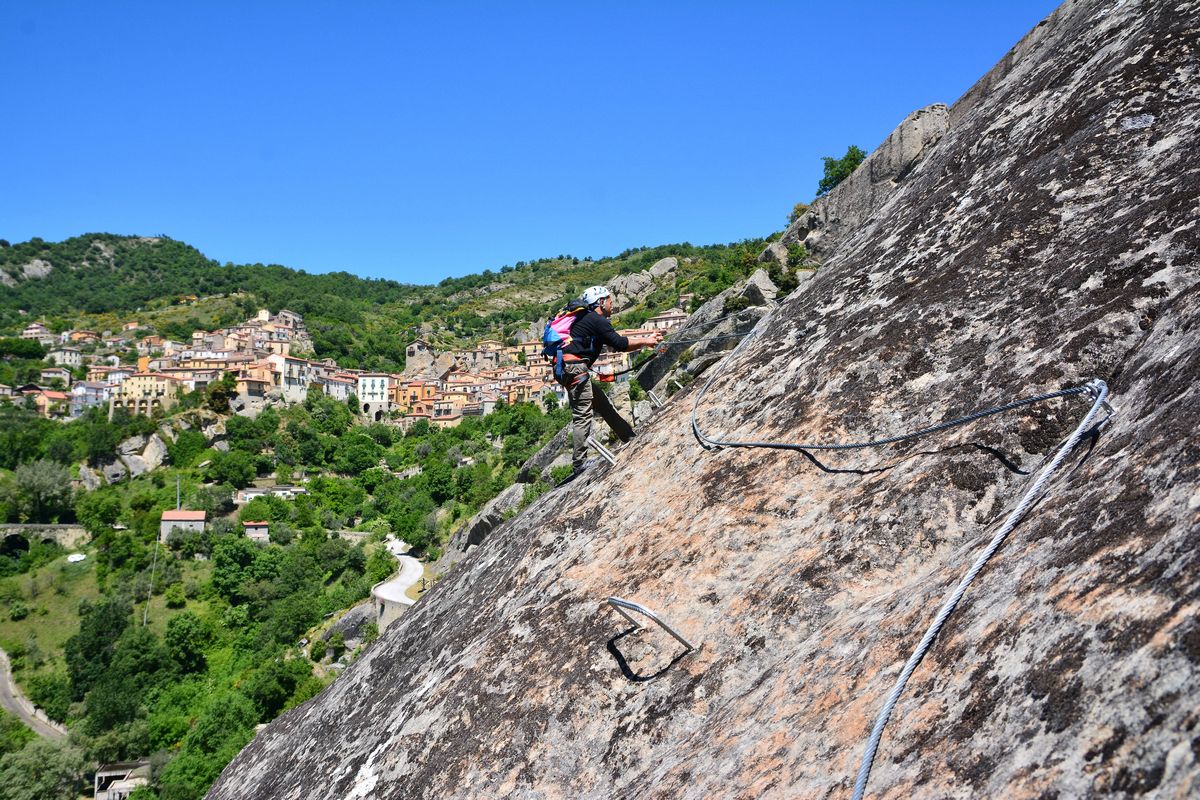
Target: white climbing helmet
[(595, 295)]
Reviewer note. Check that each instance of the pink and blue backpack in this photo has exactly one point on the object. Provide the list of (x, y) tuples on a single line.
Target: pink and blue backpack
[(557, 334)]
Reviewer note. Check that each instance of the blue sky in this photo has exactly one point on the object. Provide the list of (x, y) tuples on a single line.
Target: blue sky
[(416, 141)]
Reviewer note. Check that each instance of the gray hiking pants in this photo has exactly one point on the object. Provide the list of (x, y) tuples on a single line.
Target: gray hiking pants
[(579, 390)]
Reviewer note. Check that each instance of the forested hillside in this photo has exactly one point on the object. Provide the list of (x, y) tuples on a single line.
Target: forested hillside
[(95, 281)]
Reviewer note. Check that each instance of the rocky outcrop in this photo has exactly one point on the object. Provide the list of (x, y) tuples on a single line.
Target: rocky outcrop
[(131, 446), (480, 526), (628, 290), (854, 200), (115, 471), (429, 365), (1048, 238), (663, 268), (89, 479), (533, 466), (352, 625), (155, 452), (716, 329), (37, 268)]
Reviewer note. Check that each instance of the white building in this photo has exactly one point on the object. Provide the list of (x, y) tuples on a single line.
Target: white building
[(293, 376), (66, 357), (374, 394)]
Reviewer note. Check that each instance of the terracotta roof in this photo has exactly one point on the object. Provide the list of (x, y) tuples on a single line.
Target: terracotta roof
[(255, 523), (183, 515)]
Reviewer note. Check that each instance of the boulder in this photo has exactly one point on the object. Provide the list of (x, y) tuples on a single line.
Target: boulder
[(136, 465), (114, 472), (630, 289), (663, 267), (90, 479), (131, 446), (155, 452), (352, 625)]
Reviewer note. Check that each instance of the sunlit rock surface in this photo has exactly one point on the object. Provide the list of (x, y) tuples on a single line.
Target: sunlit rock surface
[(1049, 237)]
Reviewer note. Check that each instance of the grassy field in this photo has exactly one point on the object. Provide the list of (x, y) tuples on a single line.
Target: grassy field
[(51, 595)]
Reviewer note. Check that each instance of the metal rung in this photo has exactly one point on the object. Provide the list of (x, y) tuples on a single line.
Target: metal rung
[(621, 606), (678, 385), (658, 403), (604, 452)]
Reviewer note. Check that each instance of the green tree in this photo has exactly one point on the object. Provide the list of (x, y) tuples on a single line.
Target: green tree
[(356, 453), (232, 467), (89, 652), (98, 510), (13, 733), (43, 770), (39, 492), (838, 169), (186, 447), (186, 638)]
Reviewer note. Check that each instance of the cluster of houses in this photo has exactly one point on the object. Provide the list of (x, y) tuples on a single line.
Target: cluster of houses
[(267, 357)]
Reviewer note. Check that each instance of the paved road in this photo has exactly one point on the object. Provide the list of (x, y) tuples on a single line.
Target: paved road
[(16, 703), (411, 571)]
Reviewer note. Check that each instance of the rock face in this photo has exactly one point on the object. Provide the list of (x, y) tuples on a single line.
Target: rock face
[(1049, 237), (711, 329), (481, 525), (852, 202)]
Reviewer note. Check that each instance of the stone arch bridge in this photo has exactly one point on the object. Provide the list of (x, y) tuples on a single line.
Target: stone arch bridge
[(68, 536)]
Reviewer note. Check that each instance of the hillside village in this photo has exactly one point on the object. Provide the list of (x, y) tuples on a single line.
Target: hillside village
[(269, 359)]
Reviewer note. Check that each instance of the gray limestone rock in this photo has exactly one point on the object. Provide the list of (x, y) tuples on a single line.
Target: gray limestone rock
[(629, 289), (90, 479), (352, 625), (855, 199), (136, 465), (480, 526), (663, 268), (542, 458), (114, 472), (37, 268), (155, 452), (131, 446), (561, 460), (708, 322), (1048, 238)]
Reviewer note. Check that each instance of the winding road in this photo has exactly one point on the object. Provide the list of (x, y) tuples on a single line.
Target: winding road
[(17, 704)]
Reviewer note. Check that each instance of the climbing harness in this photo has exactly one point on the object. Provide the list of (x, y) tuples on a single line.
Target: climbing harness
[(1096, 390)]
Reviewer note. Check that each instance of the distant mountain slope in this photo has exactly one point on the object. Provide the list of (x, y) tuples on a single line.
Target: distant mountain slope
[(360, 322)]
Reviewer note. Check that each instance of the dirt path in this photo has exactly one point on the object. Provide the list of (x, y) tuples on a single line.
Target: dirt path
[(16, 703)]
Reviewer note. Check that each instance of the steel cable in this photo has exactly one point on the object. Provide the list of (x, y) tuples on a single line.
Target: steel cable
[(1096, 389)]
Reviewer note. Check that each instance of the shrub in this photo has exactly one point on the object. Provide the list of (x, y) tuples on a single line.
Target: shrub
[(175, 596), (838, 169)]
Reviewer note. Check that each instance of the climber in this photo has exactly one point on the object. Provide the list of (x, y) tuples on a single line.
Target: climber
[(588, 335)]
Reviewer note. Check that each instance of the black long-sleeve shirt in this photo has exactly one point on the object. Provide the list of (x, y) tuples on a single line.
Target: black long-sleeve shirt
[(592, 332)]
